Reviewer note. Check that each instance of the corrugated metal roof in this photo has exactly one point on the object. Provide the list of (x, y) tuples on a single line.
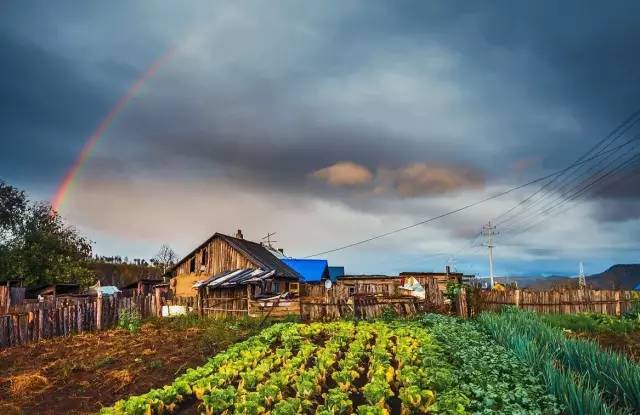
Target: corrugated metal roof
[(309, 269), (236, 277)]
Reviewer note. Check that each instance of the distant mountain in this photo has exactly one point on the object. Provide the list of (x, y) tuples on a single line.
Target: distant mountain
[(620, 276)]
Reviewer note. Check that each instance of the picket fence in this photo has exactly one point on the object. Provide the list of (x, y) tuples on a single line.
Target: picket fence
[(564, 301), (47, 320)]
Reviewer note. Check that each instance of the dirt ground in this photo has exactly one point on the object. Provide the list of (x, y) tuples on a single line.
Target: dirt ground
[(82, 373)]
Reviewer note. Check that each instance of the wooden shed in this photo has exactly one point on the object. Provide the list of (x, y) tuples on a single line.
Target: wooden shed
[(440, 278), (143, 286), (223, 253), (54, 290), (249, 291), (389, 284)]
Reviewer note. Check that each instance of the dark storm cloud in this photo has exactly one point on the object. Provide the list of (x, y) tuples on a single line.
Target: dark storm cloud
[(47, 109), (264, 96)]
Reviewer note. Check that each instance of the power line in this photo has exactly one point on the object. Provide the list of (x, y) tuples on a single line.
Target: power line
[(545, 218), (609, 139), (568, 194)]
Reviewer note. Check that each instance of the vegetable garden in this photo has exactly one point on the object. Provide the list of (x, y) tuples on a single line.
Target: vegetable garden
[(506, 363), (399, 367)]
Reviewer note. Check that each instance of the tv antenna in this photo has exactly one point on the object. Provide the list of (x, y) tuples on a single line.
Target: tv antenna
[(269, 240)]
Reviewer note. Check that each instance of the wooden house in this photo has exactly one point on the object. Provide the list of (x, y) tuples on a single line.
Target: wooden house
[(222, 254)]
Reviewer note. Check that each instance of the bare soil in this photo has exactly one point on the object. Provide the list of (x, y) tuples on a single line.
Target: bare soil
[(82, 373)]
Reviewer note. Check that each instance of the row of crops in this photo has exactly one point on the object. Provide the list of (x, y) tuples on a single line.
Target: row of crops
[(434, 365), (507, 364), (587, 379)]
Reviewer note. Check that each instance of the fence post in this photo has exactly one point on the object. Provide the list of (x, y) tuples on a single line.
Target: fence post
[(461, 303), (516, 297), (99, 313)]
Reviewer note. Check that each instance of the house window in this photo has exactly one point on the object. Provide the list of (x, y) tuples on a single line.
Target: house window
[(352, 290), (275, 287), (192, 265), (205, 257), (294, 287)]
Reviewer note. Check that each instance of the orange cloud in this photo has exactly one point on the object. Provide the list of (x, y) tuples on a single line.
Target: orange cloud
[(420, 179), (345, 174)]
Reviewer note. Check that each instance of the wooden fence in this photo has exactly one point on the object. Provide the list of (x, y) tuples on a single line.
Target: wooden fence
[(565, 301), (49, 320), (10, 296), (63, 316)]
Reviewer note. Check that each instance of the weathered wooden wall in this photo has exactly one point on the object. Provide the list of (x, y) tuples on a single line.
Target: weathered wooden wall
[(358, 306), (47, 320), (367, 298), (220, 257), (10, 296), (229, 302), (4, 298), (563, 301)]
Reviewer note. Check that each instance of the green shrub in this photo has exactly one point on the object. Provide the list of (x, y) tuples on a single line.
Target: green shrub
[(389, 313), (129, 320), (633, 313)]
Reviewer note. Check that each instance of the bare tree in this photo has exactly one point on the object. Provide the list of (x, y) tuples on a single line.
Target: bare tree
[(165, 258)]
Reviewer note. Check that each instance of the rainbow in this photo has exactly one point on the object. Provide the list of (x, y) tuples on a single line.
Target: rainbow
[(64, 186)]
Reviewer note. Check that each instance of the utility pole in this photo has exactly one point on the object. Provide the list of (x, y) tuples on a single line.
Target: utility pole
[(489, 231), (582, 281)]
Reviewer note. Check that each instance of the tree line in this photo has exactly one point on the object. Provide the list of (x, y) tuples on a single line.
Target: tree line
[(38, 247)]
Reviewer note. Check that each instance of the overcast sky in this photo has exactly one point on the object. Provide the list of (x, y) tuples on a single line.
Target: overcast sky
[(328, 122)]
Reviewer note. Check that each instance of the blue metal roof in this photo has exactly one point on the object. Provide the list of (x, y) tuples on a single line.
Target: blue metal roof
[(107, 290), (637, 287), (335, 272), (310, 269)]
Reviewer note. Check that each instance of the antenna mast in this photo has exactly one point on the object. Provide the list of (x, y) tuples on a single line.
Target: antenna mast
[(268, 238)]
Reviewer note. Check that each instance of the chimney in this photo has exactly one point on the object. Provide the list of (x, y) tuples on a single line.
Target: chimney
[(239, 234), (447, 269)]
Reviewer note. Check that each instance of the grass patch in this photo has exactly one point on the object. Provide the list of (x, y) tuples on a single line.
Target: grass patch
[(155, 364)]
